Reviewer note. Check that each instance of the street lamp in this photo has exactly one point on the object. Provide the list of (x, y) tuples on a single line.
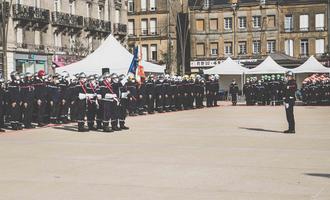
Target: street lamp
[(234, 7)]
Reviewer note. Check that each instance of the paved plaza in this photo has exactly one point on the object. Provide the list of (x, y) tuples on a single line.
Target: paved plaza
[(236, 153)]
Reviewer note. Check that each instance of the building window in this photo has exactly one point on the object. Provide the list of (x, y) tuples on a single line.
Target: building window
[(271, 46), (37, 38), (145, 52), (228, 23), (319, 22), (200, 49), (256, 21), (144, 27), (256, 47), (37, 3), (153, 52), (242, 48), (72, 7), (57, 5), (214, 49), (271, 21), (100, 13), (57, 40), (303, 22), (200, 24), (19, 35), (206, 4), (214, 24), (131, 27), (89, 9), (72, 41), (130, 6), (288, 47), (288, 23), (143, 5), (153, 25), (304, 51), (152, 5), (228, 49), (117, 16), (242, 22), (319, 46)]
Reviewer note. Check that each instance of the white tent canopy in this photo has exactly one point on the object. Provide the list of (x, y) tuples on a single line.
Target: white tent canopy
[(311, 66), (110, 54), (268, 66), (227, 67)]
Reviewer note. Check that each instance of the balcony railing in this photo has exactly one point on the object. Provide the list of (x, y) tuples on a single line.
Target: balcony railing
[(120, 29), (67, 20), (288, 29), (97, 25), (29, 13), (321, 28)]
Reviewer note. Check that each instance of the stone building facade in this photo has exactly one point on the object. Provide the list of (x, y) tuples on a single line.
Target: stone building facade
[(43, 34), (152, 26), (248, 30)]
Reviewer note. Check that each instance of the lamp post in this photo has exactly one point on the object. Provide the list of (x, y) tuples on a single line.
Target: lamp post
[(234, 7)]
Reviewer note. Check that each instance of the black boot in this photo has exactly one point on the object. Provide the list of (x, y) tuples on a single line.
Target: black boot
[(91, 126), (115, 127), (81, 127), (14, 126), (19, 126), (106, 128), (99, 125), (122, 126)]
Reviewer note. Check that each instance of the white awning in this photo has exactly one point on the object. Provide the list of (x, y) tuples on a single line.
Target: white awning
[(110, 54), (268, 66), (227, 67), (311, 66)]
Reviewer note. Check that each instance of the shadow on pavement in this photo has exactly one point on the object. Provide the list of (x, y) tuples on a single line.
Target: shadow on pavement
[(67, 128), (260, 129), (318, 175)]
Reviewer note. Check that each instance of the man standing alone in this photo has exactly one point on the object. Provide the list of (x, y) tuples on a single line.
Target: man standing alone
[(289, 100)]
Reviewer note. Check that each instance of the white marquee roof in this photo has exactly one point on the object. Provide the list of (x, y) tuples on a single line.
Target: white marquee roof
[(110, 54), (227, 67), (268, 66), (311, 66)]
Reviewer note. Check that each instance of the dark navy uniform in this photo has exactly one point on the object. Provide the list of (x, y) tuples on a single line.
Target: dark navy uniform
[(150, 95), (289, 100)]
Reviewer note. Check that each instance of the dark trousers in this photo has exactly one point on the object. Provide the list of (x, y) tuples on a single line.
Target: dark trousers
[(54, 110), (64, 109), (209, 99), (27, 114), (91, 111), (15, 113), (41, 111), (2, 114), (150, 103), (167, 102), (159, 102), (110, 111), (122, 114), (81, 110), (132, 105), (290, 116)]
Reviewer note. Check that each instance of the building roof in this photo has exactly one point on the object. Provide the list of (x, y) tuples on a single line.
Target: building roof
[(198, 4)]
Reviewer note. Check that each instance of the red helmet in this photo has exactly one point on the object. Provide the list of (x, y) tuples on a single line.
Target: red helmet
[(41, 73)]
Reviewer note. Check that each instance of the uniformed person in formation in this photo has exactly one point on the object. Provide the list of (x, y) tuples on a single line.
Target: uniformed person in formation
[(233, 90), (316, 90), (2, 104), (289, 101)]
